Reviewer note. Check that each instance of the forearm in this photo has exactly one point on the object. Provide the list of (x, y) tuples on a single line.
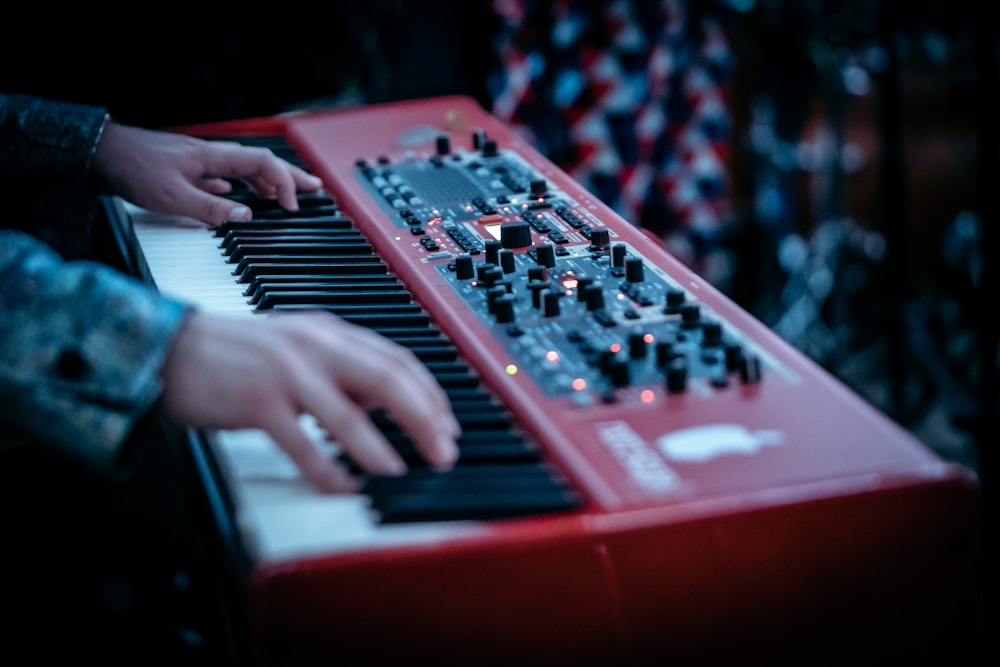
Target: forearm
[(81, 350), (46, 165)]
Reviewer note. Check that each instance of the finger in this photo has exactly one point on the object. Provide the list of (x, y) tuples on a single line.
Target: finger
[(216, 186), (210, 208), (266, 173), (410, 378), (430, 427), (394, 380), (318, 468), (349, 425)]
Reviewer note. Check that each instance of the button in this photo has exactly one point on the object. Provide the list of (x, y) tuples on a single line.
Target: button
[(71, 365)]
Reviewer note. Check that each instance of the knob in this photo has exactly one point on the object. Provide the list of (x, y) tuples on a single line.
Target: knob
[(677, 373), (546, 255), (664, 352), (581, 287), (515, 235), (618, 254), (675, 299), (539, 186), (492, 248), (491, 276), (637, 344), (463, 267), (538, 273), (478, 139), (492, 294), (537, 287), (619, 373), (481, 271), (507, 261), (599, 238), (443, 145), (504, 307), (711, 333), (749, 369), (551, 300), (594, 296), (690, 315), (489, 148), (634, 270)]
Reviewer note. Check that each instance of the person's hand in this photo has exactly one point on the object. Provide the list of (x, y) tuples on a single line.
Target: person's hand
[(178, 174), (222, 373)]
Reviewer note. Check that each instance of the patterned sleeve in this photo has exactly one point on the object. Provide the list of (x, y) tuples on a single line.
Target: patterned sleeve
[(46, 159), (81, 348)]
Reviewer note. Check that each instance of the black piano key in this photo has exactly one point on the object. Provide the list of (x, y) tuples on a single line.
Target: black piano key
[(233, 240), (314, 222), (308, 212), (262, 283), (263, 206), (326, 298), (258, 289), (323, 266), (367, 317), (292, 250), (330, 260)]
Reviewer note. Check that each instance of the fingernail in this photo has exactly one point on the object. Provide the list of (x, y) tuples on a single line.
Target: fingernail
[(240, 214)]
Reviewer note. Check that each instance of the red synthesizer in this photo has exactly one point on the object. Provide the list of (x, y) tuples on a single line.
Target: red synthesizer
[(647, 472)]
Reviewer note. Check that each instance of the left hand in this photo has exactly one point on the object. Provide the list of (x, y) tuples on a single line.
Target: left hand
[(183, 175)]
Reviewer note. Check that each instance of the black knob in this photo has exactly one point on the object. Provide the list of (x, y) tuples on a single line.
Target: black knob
[(538, 273), (594, 296), (492, 294), (619, 373), (507, 261), (677, 373), (546, 255), (478, 139), (492, 275), (489, 148), (537, 287), (664, 352), (618, 254), (539, 187), (581, 287), (505, 308), (463, 267), (634, 270), (675, 299), (690, 315), (637, 344), (443, 145), (599, 238), (711, 333), (734, 353), (515, 235), (749, 369), (481, 271), (492, 249), (551, 299)]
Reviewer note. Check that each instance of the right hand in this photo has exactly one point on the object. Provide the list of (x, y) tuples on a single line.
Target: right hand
[(232, 373)]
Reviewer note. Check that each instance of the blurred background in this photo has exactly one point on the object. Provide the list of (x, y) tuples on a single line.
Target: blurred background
[(829, 165)]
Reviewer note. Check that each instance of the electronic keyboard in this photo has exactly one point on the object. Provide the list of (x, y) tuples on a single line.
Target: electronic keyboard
[(647, 473)]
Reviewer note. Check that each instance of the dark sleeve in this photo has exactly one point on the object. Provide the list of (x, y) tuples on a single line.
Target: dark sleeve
[(81, 347), (46, 160)]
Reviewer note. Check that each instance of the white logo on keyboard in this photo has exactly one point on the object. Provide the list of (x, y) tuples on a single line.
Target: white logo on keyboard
[(644, 467), (701, 443)]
